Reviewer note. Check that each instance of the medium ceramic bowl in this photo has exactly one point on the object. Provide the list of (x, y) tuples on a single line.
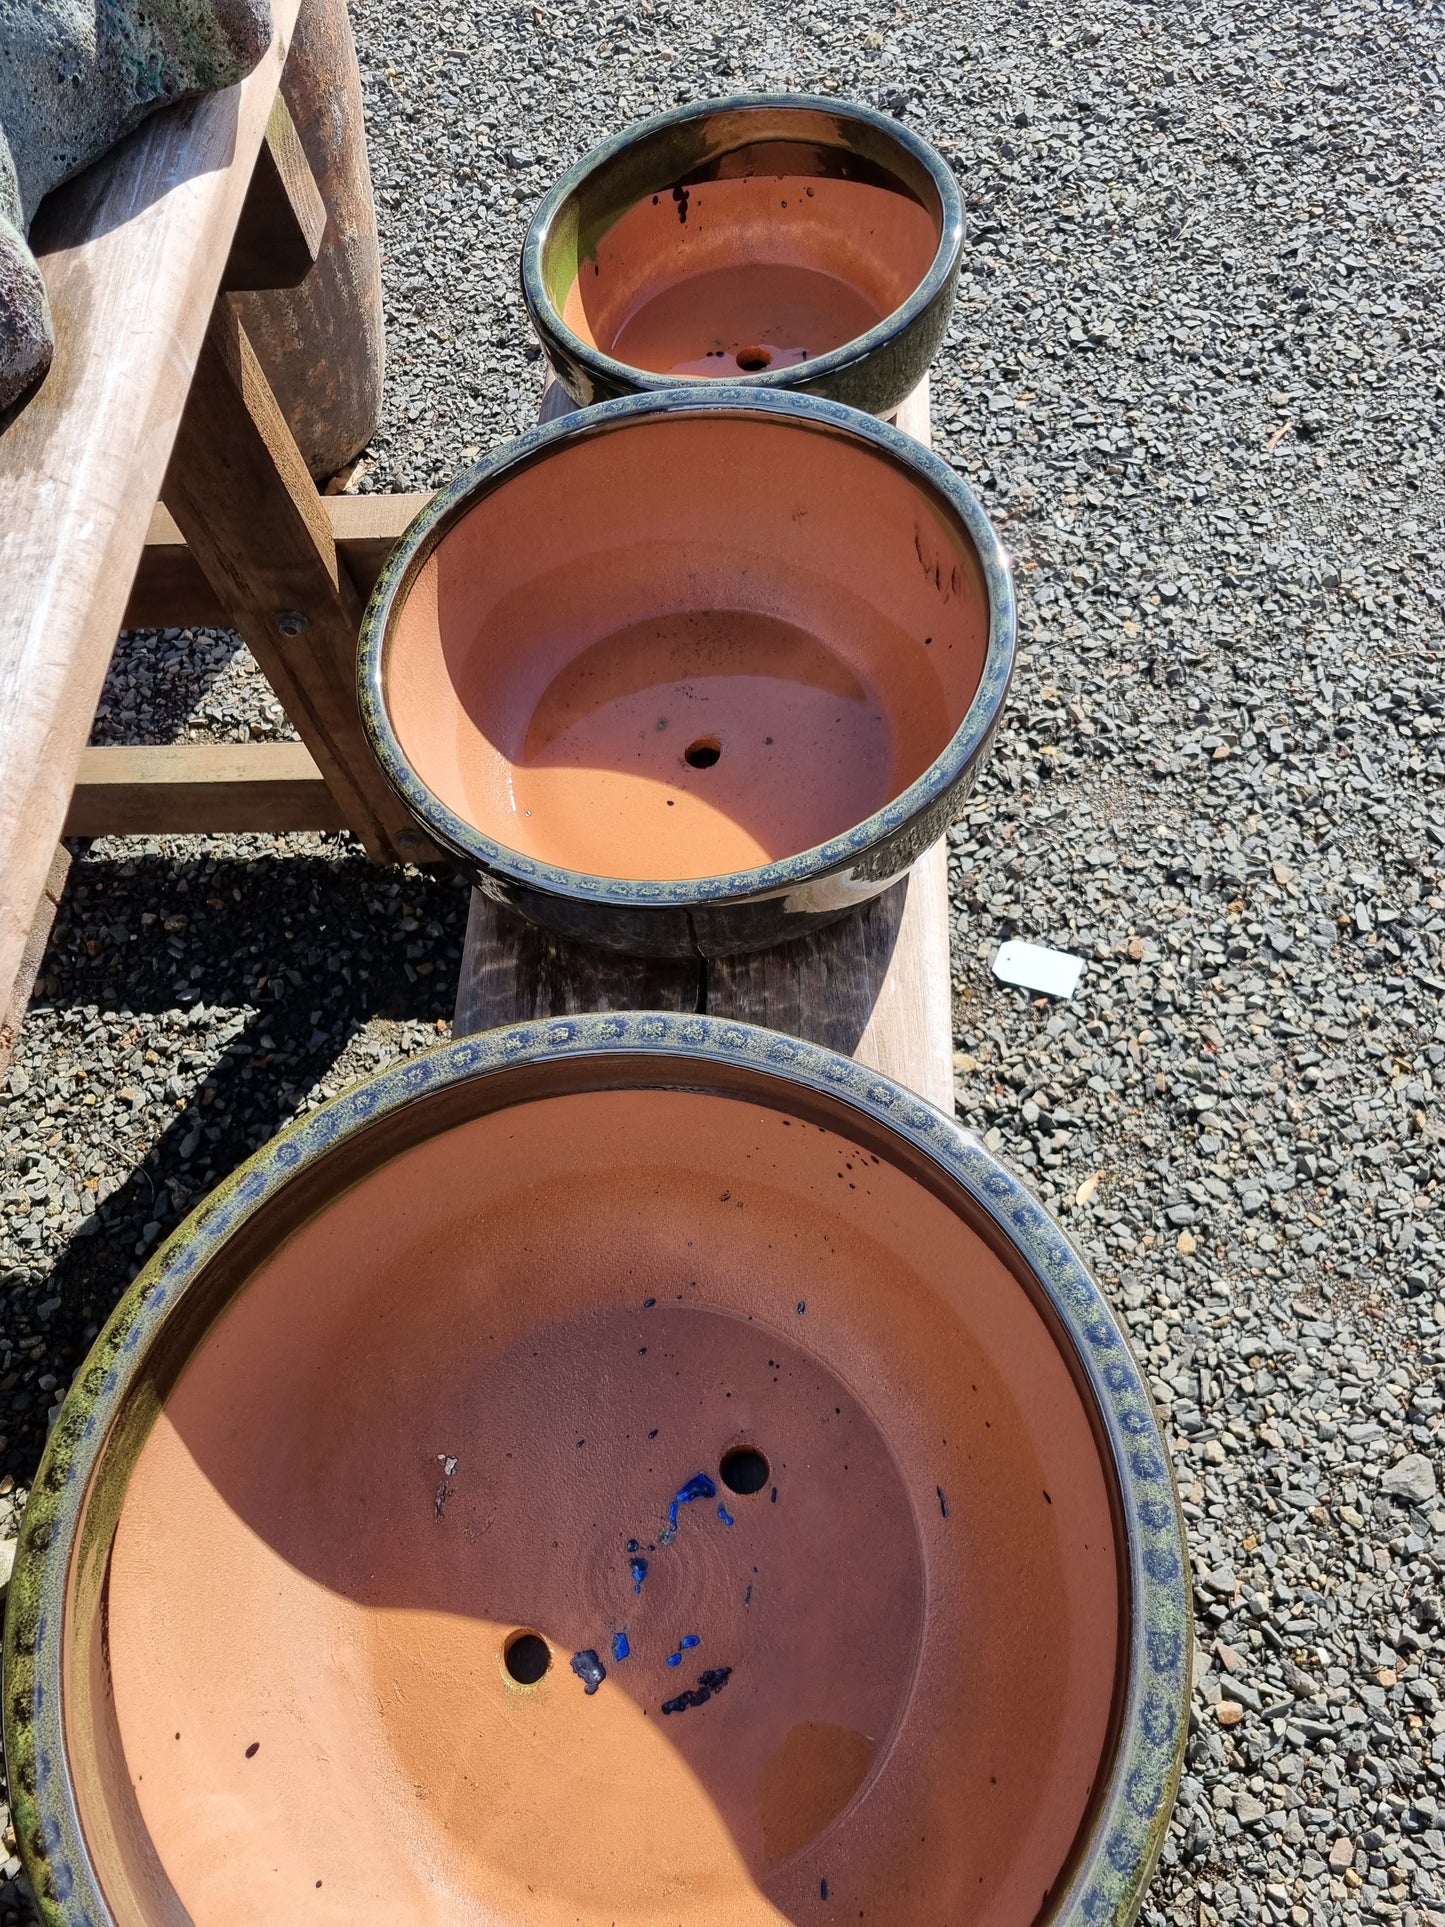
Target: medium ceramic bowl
[(790, 241), (632, 1468), (691, 672)]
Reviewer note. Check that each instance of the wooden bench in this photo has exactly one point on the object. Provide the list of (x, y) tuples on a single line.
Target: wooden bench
[(155, 390), (875, 986)]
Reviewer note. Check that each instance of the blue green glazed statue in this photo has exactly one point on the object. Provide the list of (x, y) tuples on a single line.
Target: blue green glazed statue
[(75, 76)]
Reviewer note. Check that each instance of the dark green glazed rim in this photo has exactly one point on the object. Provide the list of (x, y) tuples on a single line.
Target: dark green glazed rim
[(840, 853), (686, 124), (1122, 1836)]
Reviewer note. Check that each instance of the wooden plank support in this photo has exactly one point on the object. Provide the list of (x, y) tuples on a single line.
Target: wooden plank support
[(170, 590), (241, 496), (513, 971), (283, 217), (200, 789), (42, 921), (874, 985), (132, 251)]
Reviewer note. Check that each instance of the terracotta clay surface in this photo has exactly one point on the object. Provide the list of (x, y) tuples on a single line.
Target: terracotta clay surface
[(788, 241), (464, 1400), (776, 264), (687, 646)]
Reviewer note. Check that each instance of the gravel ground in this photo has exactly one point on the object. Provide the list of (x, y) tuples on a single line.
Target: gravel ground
[(1195, 373)]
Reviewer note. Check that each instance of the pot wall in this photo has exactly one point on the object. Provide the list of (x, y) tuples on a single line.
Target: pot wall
[(824, 234), (216, 1386), (691, 673)]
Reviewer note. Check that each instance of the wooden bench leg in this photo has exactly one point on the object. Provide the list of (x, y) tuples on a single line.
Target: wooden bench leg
[(17, 995), (321, 343), (245, 502)]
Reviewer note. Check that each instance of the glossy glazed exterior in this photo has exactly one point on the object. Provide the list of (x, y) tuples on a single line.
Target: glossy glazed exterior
[(693, 672), (794, 242), (281, 1494)]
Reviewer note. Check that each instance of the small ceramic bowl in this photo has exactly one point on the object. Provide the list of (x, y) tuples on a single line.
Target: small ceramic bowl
[(789, 241), (632, 1467), (691, 672)]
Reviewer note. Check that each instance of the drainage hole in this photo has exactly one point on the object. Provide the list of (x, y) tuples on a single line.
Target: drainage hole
[(703, 753), (750, 360), (744, 1470), (526, 1657)]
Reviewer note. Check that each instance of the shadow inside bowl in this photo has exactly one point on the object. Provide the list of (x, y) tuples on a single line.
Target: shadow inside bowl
[(687, 647), (766, 257), (627, 1499)]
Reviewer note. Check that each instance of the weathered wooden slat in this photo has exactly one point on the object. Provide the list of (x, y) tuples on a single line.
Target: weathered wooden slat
[(170, 590), (322, 344), (132, 251), (41, 923), (874, 985), (512, 971), (194, 789), (245, 502), (283, 218)]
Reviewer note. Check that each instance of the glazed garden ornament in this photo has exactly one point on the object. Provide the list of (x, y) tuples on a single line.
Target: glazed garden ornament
[(787, 241), (75, 77), (635, 1468), (692, 672)]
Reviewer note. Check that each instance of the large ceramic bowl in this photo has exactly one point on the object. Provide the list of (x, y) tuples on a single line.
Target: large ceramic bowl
[(785, 240), (691, 672), (635, 1468)]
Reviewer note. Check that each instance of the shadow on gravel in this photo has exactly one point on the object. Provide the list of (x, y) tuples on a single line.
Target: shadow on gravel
[(316, 947)]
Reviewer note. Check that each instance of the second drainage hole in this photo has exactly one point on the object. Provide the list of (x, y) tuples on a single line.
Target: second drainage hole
[(753, 360), (744, 1470), (526, 1657), (703, 753)]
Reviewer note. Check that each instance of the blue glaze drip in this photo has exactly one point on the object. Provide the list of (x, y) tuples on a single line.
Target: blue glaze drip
[(589, 1669), (699, 1486), (942, 1502), (620, 1648), (637, 1566), (674, 1659), (823, 1888), (725, 1515), (748, 1597), (708, 1683), (802, 1306), (691, 1639)]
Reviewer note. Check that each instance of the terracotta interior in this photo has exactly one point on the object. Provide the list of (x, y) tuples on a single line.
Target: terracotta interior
[(687, 645), (433, 1433), (773, 254)]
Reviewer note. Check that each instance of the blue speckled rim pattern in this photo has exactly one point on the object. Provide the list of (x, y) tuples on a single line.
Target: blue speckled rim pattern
[(923, 467), (620, 375), (1132, 1806)]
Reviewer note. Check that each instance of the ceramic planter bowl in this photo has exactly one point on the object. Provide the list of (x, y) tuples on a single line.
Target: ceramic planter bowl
[(694, 671), (790, 241), (634, 1468)]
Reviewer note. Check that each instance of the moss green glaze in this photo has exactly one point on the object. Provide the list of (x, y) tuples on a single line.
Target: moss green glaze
[(105, 1417), (707, 916), (874, 372)]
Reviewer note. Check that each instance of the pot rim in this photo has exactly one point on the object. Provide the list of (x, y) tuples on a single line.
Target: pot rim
[(927, 471), (614, 374), (1124, 1827)]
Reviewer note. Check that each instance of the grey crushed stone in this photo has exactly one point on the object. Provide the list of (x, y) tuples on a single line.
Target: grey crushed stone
[(1195, 376)]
